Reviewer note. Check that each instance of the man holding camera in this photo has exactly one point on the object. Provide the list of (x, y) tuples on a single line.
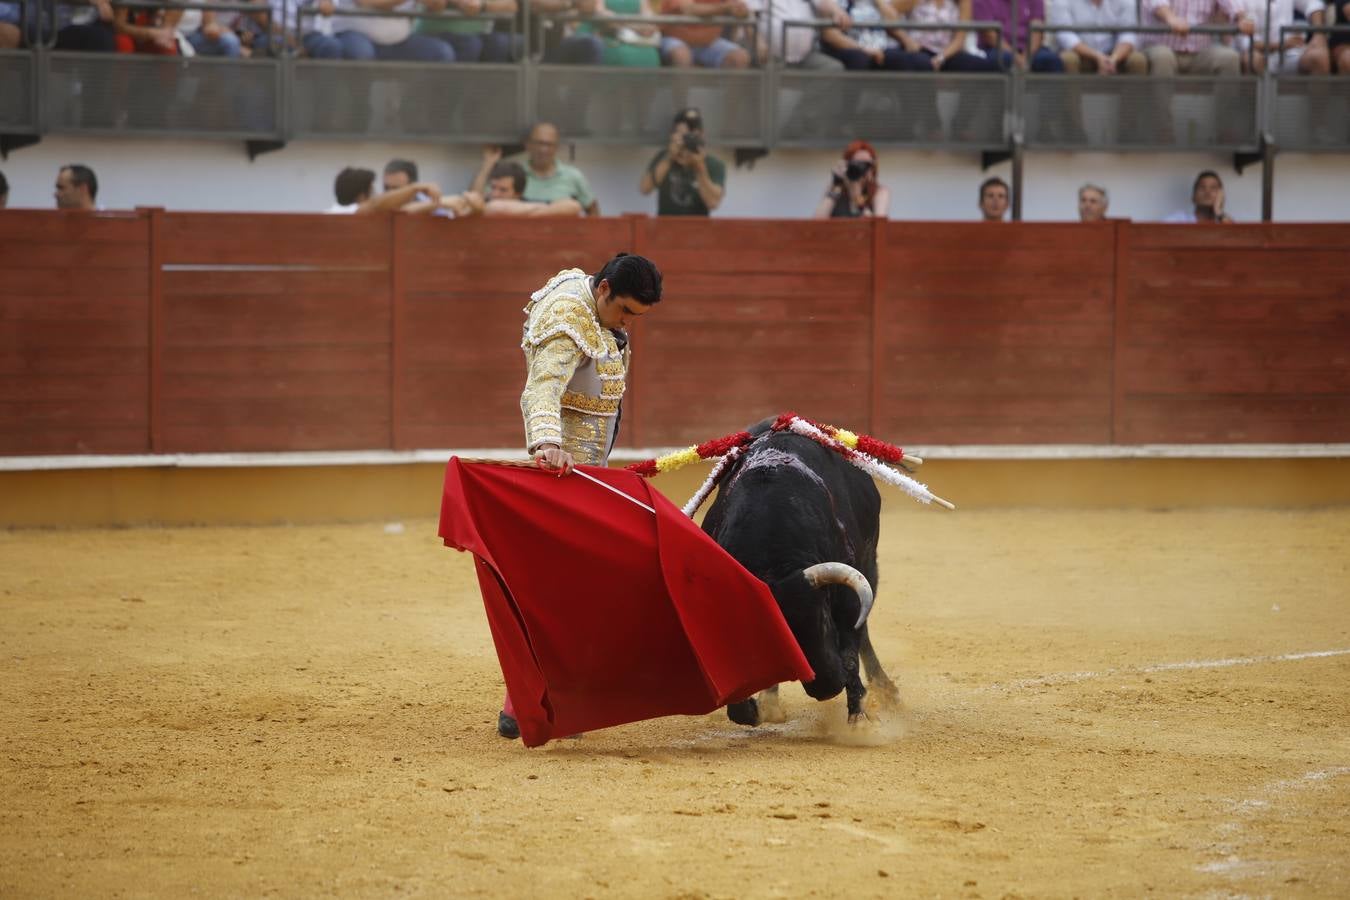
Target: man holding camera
[(688, 181)]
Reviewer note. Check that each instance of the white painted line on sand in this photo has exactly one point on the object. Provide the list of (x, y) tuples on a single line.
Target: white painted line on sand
[(1072, 677)]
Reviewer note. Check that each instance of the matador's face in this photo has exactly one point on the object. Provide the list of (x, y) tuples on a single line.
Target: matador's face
[(615, 311)]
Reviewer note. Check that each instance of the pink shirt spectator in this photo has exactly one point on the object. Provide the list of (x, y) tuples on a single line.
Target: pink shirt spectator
[(1001, 11), (934, 12), (1195, 12)]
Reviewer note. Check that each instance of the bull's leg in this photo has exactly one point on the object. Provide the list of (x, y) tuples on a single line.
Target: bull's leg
[(886, 693), (744, 713), (853, 686), (771, 706)]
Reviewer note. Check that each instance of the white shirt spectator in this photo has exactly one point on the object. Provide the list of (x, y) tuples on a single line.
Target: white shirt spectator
[(1193, 12), (800, 41), (1089, 13), (1281, 13), (339, 209), (382, 30)]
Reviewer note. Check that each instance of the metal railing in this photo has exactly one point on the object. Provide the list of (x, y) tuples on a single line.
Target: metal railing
[(276, 98)]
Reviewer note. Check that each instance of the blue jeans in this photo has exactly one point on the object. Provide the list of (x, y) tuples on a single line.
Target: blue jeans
[(493, 47), (226, 45), (1043, 60), (415, 48)]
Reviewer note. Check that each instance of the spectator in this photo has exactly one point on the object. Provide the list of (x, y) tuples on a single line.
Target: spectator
[(1095, 51), (276, 31), (854, 190), (703, 45), (473, 39), (993, 199), (152, 31), (562, 46), (11, 20), (1297, 55), (4, 191), (354, 190), (388, 37), (1018, 44), (506, 185), (687, 179), (1207, 197), (867, 48), (1192, 54), (798, 47), (399, 173), (547, 179), (632, 45), (1092, 203), (76, 187), (1339, 43), (942, 51), (209, 33), (78, 28)]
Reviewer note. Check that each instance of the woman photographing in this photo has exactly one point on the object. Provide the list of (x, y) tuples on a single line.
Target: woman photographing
[(854, 190)]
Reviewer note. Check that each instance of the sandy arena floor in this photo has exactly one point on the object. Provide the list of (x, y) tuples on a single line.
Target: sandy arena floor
[(1097, 704)]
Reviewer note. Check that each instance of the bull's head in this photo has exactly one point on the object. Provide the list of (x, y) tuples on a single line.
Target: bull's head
[(805, 601)]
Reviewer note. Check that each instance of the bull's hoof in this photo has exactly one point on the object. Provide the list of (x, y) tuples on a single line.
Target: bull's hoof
[(744, 713)]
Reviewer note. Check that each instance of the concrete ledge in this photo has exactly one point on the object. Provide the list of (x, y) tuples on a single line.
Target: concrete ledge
[(297, 488)]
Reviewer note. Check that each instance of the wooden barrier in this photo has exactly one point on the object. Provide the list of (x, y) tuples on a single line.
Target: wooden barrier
[(188, 332)]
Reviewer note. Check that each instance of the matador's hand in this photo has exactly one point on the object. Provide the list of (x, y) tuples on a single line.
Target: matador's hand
[(551, 456)]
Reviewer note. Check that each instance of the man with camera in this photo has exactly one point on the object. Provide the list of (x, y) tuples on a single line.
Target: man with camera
[(688, 181)]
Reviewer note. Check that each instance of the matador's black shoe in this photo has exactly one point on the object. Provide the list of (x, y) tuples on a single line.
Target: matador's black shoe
[(507, 727)]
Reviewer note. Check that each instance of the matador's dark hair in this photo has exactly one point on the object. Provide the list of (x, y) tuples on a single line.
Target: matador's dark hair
[(630, 275)]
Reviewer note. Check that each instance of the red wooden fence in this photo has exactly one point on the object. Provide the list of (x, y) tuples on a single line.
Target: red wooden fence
[(188, 332)]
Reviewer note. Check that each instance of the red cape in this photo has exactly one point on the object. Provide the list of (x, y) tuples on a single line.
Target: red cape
[(603, 613)]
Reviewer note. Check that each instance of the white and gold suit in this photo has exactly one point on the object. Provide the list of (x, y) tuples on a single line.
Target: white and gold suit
[(576, 371)]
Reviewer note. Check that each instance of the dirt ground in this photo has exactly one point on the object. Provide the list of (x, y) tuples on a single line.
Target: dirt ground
[(1097, 704)]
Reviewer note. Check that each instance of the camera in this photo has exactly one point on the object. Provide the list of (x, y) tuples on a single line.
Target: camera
[(692, 142), (857, 169)]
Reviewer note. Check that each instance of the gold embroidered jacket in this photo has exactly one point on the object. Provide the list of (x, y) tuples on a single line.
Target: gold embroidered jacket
[(575, 371)]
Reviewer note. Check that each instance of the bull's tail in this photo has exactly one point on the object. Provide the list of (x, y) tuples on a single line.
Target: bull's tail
[(838, 573)]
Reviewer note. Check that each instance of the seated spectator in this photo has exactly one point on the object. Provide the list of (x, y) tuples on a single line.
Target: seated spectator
[(284, 28), (11, 21), (1092, 203), (633, 45), (76, 188), (1095, 51), (1018, 44), (474, 40), (547, 179), (354, 190), (561, 42), (85, 29), (153, 31), (388, 37), (941, 51), (993, 199), (506, 184), (209, 34), (1207, 200), (854, 190), (868, 48), (688, 180), (798, 47), (702, 45), (1297, 55), (1339, 44), (1193, 54)]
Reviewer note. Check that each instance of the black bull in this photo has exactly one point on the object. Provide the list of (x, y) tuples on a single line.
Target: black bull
[(785, 506)]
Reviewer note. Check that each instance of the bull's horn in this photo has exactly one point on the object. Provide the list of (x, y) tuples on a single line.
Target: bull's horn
[(838, 573)]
